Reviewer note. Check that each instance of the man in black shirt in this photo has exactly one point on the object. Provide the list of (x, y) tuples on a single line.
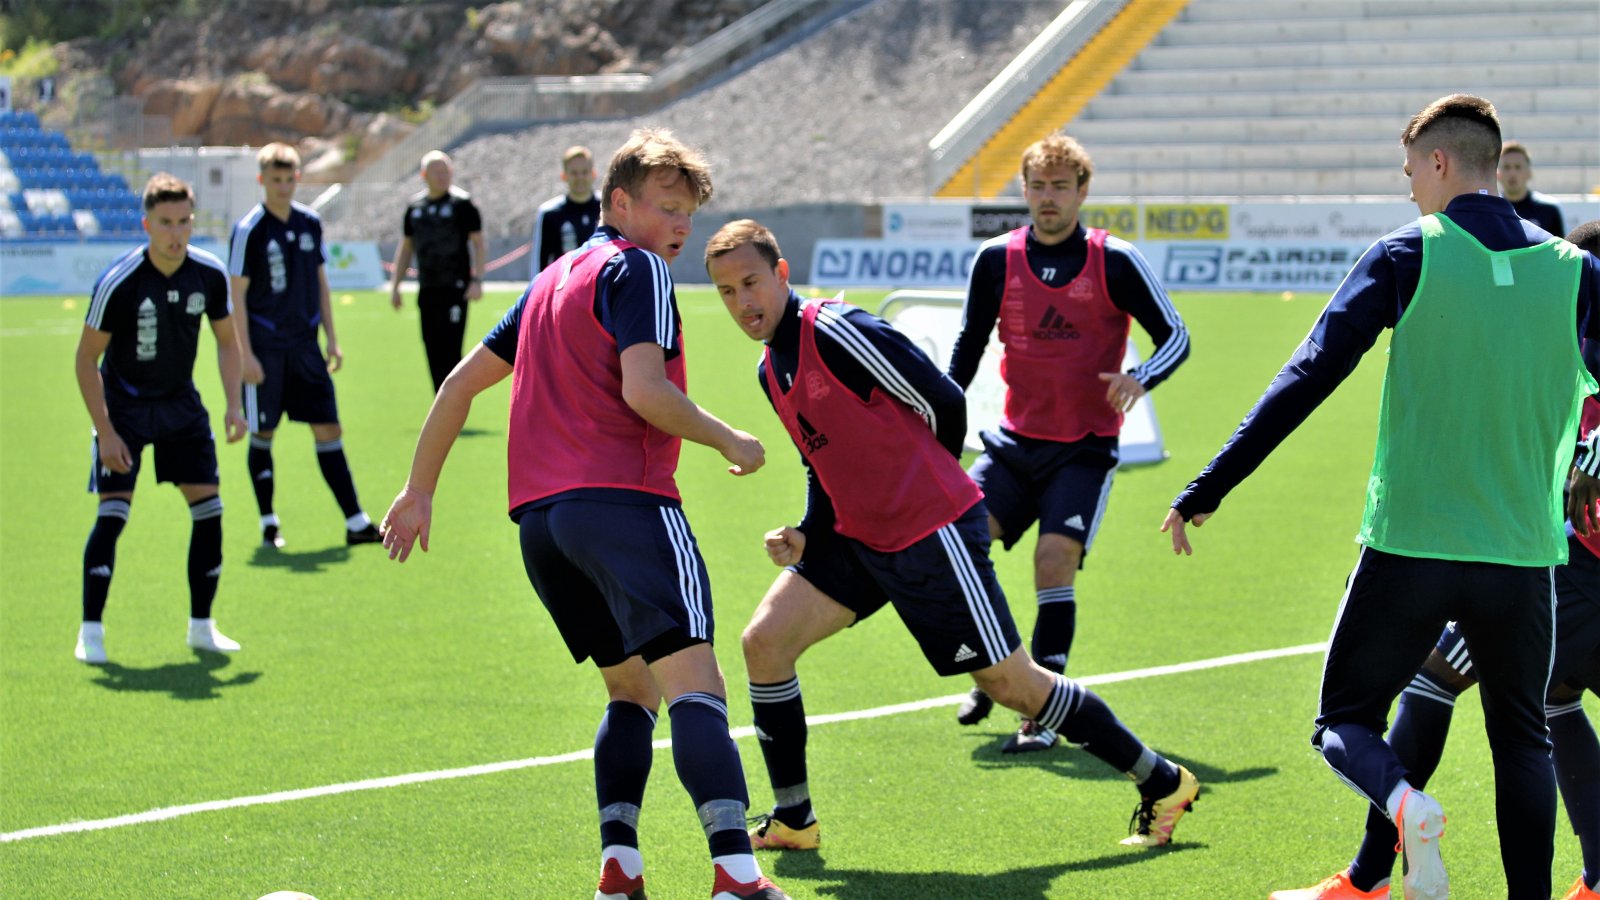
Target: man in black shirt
[(565, 222), (1516, 170), (135, 368), (444, 229)]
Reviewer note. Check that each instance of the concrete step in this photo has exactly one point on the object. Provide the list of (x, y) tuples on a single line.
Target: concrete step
[(1512, 102), (1148, 157), (1485, 50), (1425, 81), (1327, 129), (1287, 182), (1256, 11), (1273, 30)]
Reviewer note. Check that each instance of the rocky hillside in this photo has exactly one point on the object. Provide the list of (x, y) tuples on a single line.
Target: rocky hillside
[(341, 77)]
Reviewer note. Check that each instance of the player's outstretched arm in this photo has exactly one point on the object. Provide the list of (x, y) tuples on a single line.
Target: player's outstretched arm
[(114, 453), (231, 366), (1174, 524), (410, 516), (647, 391)]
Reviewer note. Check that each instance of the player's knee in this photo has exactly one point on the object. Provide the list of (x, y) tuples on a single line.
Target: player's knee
[(763, 644), (1564, 694), (1056, 559), (327, 431)]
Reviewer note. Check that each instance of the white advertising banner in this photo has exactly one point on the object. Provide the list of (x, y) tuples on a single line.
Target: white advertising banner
[(35, 267), (927, 221), (864, 262), (1252, 265), (354, 266)]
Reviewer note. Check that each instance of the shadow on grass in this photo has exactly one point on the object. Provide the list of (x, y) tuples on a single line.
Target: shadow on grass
[(195, 680), (307, 561), (479, 432), (1074, 762), (1032, 883)]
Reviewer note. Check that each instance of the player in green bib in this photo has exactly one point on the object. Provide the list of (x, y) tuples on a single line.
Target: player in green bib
[(1464, 516)]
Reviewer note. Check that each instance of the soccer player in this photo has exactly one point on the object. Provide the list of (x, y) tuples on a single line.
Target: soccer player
[(598, 413), (276, 259), (565, 222), (443, 226), (135, 368), (1463, 516), (890, 519), (1514, 173), (1422, 718), (1064, 296)]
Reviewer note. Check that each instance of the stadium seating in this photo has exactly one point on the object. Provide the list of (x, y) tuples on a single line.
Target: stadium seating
[(53, 192)]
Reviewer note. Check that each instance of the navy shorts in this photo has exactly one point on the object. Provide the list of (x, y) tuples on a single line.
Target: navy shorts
[(1577, 657), (1062, 486), (943, 587), (180, 431), (295, 383), (618, 580)]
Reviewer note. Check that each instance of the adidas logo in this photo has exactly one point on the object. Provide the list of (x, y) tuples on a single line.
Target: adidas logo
[(101, 571), (810, 436), (762, 735), (214, 573), (1074, 522), (965, 653), (265, 474), (1053, 326)]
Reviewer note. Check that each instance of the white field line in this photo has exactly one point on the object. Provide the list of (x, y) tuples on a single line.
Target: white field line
[(173, 812)]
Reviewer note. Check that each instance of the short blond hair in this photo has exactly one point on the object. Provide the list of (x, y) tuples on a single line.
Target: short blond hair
[(576, 151), (278, 155), (433, 156), (739, 232), (646, 151), (1058, 150)]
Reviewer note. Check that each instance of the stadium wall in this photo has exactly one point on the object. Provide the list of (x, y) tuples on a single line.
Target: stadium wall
[(71, 267)]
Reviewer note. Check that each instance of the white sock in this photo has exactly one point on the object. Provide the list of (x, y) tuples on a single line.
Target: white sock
[(269, 519), (1396, 797), (92, 629), (627, 857), (358, 522), (741, 866)]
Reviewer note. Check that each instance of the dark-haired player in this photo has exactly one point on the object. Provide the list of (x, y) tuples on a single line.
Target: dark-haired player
[(135, 368)]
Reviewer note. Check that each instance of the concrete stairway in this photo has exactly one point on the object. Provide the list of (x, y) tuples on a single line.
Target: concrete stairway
[(1242, 98)]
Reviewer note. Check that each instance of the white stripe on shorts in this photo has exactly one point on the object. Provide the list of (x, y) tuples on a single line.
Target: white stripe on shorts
[(688, 570), (978, 601)]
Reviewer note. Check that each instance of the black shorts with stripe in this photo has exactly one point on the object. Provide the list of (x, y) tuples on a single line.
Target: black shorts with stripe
[(943, 587), (1577, 657), (178, 428), (295, 383), (1063, 486), (619, 580)]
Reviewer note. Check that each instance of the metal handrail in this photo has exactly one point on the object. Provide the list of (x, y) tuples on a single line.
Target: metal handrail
[(1023, 77)]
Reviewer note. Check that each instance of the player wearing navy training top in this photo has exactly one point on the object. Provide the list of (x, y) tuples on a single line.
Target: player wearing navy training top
[(277, 261), (1422, 716), (565, 222), (598, 413), (442, 225), (1063, 296), (1463, 516), (135, 368), (1514, 173), (891, 519)]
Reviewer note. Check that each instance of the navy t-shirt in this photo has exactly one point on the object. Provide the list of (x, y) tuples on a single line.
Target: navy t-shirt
[(281, 258), (154, 322)]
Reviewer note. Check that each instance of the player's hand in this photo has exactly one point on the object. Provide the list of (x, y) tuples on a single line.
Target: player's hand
[(408, 521), (1582, 493), (475, 289), (1122, 390), (1174, 524), (335, 357), (234, 426), (785, 545), (251, 370), (745, 452), (394, 298), (114, 453)]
